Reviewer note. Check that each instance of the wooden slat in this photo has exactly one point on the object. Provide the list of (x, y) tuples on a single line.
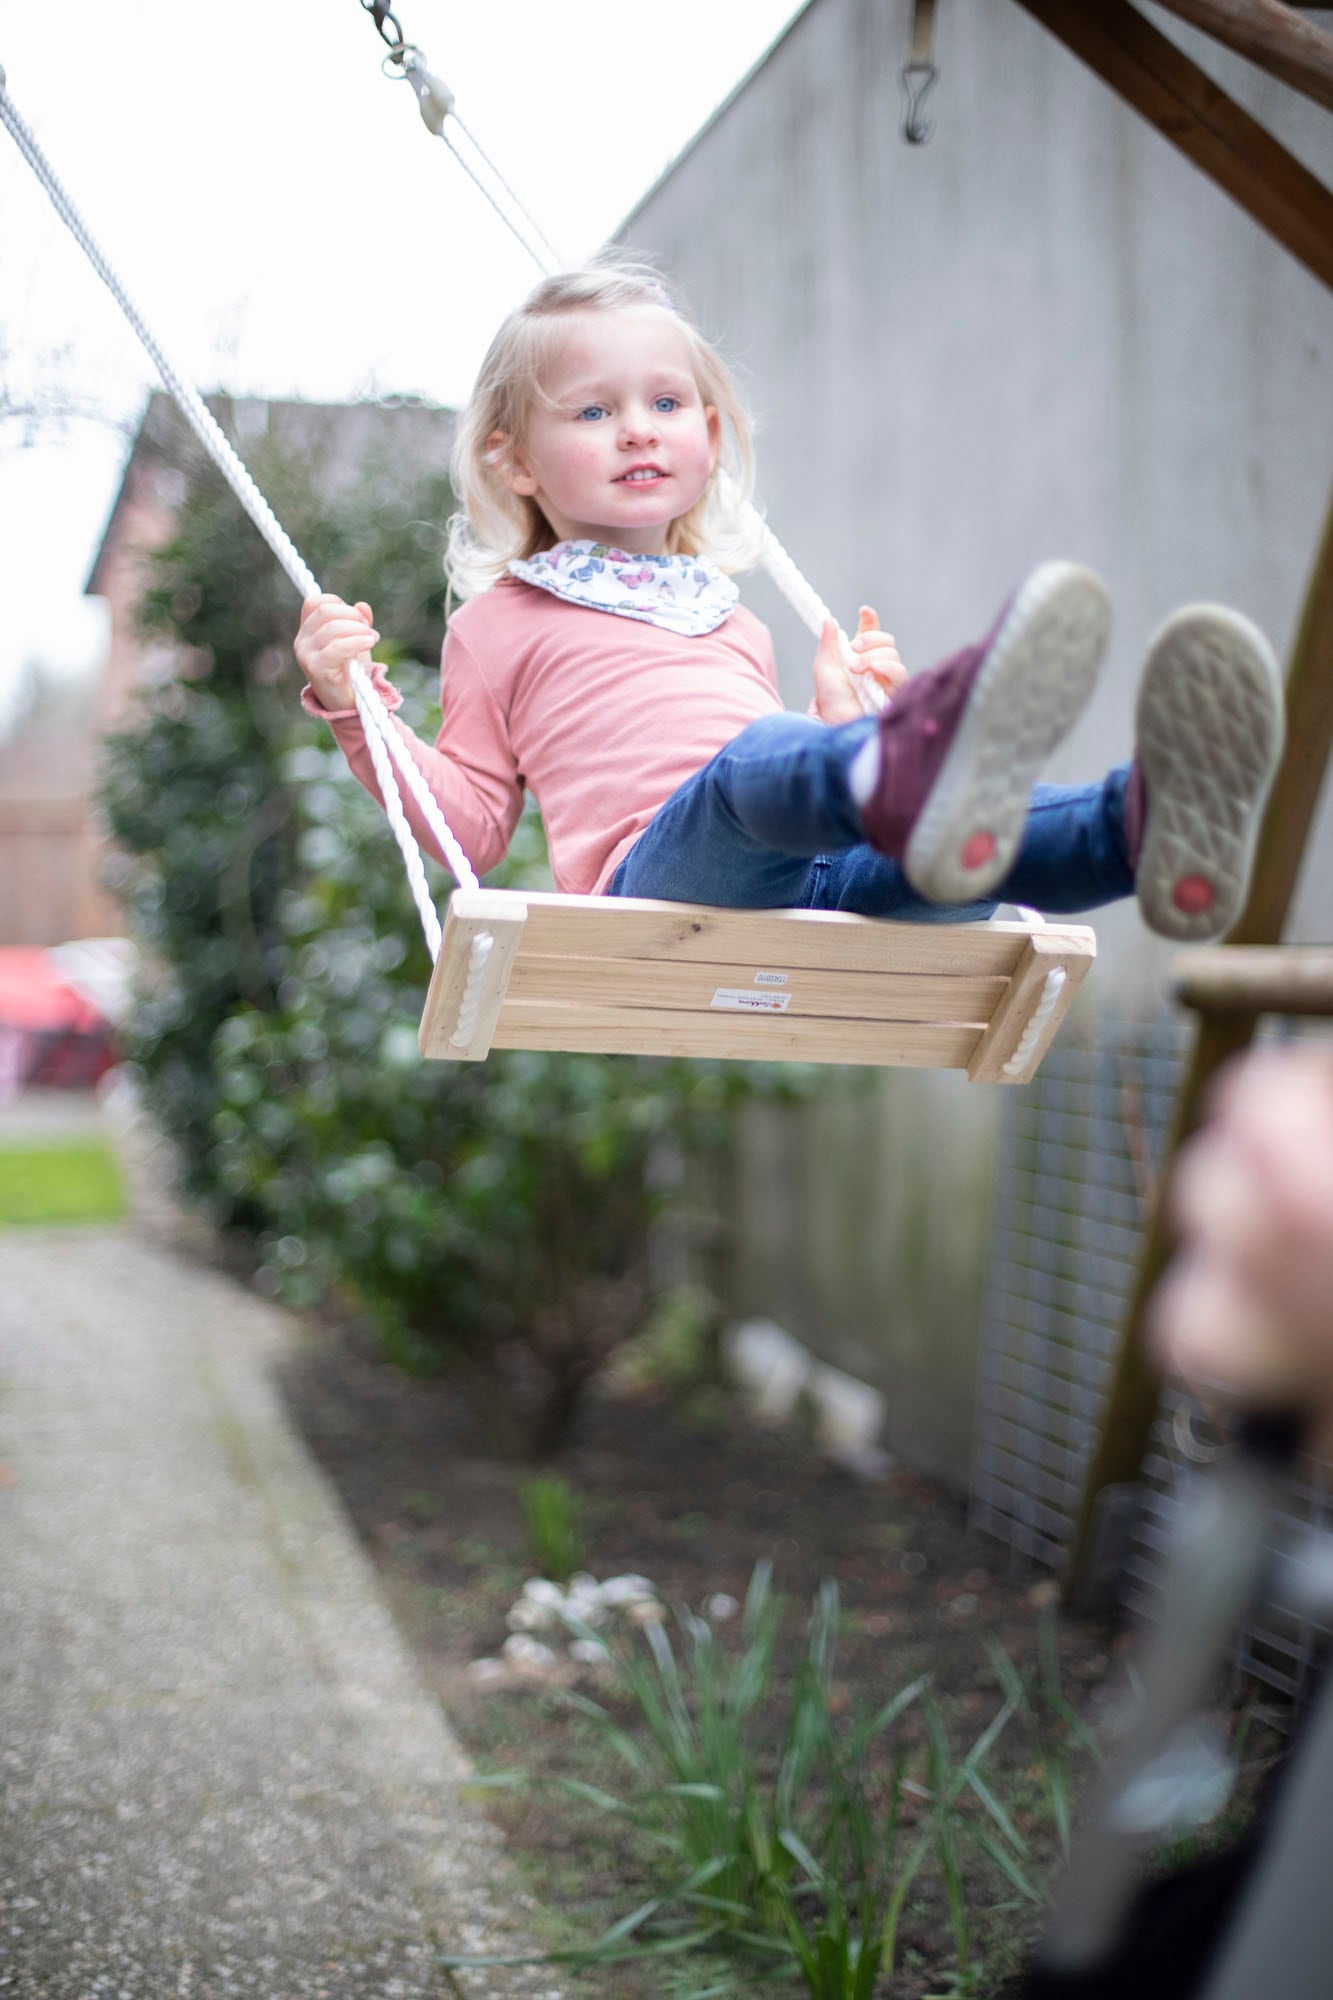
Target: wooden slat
[(773, 940), (1172, 93), (732, 1037), (1020, 1003), (864, 996), (501, 915)]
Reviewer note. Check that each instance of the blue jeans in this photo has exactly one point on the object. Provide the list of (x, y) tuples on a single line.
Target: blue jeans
[(770, 824)]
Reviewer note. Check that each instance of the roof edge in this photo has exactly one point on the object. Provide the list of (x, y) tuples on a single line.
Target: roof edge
[(714, 117)]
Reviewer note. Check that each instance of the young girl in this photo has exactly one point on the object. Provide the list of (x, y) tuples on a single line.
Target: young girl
[(602, 661)]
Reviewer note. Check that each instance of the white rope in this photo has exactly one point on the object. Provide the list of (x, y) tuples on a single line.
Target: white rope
[(810, 607), (383, 740), (469, 1007), (365, 699), (1052, 988), (437, 106), (556, 261)]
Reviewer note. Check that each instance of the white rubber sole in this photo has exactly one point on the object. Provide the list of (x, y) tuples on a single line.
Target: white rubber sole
[(1029, 691), (1209, 730)]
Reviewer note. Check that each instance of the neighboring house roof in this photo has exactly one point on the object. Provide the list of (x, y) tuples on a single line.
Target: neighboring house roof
[(622, 233), (343, 435), (49, 842)]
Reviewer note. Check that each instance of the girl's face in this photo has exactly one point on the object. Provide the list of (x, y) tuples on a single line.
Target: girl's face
[(622, 444)]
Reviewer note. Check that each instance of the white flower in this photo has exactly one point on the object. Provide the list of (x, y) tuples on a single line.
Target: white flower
[(584, 1602), (721, 1606), (526, 1616), (587, 1613), (589, 1652), (526, 1652), (620, 1591), (486, 1670), (540, 1590)]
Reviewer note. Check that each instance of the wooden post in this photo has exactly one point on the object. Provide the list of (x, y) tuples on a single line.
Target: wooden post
[(1135, 1385), (1263, 979)]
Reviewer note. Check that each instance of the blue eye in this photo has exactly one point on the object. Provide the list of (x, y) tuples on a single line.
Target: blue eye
[(591, 413), (667, 404)]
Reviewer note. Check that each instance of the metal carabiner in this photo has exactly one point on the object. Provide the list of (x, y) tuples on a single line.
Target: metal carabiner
[(383, 15)]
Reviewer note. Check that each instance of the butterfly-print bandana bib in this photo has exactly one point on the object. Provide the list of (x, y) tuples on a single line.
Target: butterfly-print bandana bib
[(685, 594)]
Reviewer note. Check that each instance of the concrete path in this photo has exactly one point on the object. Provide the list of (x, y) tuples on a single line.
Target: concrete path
[(219, 1775)]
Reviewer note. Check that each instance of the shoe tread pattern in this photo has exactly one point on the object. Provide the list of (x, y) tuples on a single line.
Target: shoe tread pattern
[(1209, 729)]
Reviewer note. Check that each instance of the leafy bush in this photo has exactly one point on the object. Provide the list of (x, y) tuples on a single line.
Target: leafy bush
[(496, 1217)]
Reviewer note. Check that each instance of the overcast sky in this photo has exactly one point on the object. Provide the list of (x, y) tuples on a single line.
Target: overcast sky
[(285, 223)]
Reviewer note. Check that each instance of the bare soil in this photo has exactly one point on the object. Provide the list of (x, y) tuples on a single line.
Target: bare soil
[(690, 1497)]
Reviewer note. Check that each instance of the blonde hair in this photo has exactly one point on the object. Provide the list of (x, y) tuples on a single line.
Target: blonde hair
[(494, 525)]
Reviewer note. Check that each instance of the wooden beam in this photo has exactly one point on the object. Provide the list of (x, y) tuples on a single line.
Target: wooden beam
[(1272, 36), (1175, 96), (1304, 766), (1135, 1384), (1256, 979)]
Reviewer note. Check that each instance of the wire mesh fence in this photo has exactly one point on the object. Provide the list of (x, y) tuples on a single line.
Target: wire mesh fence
[(1079, 1154), (1282, 1643)]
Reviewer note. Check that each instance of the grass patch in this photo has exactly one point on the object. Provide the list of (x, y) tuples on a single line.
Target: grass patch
[(555, 1539), (62, 1181)]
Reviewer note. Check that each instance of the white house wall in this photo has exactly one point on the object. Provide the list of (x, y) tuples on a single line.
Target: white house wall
[(1042, 333)]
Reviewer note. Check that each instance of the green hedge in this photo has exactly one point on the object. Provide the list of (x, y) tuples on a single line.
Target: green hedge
[(494, 1218)]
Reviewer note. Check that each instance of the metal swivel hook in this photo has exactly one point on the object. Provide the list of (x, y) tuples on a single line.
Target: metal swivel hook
[(918, 80), (434, 97)]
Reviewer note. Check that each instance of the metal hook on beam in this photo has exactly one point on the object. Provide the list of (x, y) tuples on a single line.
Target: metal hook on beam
[(919, 74)]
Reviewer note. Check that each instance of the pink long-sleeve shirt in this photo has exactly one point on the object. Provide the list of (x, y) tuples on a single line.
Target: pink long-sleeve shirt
[(601, 717)]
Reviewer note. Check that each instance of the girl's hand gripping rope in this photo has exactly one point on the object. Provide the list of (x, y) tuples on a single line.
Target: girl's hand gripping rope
[(332, 635), (874, 654)]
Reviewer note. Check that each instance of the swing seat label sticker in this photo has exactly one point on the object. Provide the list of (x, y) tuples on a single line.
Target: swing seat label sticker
[(744, 999)]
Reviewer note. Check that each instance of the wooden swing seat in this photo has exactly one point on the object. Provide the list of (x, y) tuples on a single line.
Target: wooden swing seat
[(619, 976)]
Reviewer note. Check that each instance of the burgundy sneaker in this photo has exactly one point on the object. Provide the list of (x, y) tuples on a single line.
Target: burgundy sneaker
[(961, 744), (1208, 733)]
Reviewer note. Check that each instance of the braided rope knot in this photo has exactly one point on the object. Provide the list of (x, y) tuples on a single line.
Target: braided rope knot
[(469, 1006), (1031, 1035)]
